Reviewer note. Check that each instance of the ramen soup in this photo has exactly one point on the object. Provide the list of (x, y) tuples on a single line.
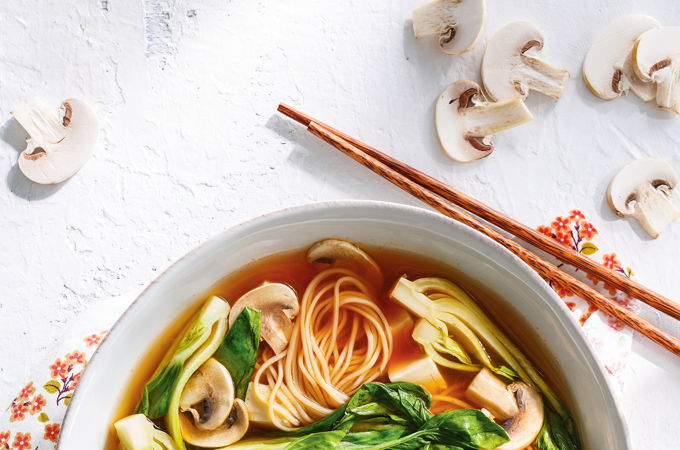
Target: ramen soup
[(341, 347)]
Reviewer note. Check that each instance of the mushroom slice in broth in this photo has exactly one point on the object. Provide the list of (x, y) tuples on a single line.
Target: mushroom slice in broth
[(208, 395), (344, 254), (278, 304)]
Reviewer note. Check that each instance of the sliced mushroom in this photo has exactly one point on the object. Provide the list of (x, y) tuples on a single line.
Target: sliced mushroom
[(232, 430), (341, 253), (511, 66), (523, 428), (59, 143), (656, 58), (466, 122), (278, 304), (608, 69), (457, 23), (517, 405), (643, 189), (489, 390), (208, 395)]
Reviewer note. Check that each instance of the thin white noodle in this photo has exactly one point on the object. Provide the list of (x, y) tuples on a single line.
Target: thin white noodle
[(340, 341)]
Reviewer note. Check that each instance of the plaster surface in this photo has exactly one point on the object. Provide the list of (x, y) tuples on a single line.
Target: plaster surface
[(190, 143)]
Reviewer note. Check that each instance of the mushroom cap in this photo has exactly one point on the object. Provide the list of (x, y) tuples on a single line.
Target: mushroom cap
[(457, 23), (525, 426), (344, 254), (607, 67), (208, 395), (645, 172), (59, 144), (655, 50), (278, 304), (465, 121), (230, 431), (510, 67), (451, 130)]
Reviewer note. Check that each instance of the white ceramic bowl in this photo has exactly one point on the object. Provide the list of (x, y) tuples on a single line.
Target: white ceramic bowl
[(380, 224)]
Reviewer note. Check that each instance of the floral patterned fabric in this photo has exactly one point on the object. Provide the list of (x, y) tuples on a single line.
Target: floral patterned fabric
[(33, 419)]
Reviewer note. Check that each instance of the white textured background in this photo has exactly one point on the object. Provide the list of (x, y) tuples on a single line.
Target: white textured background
[(186, 93)]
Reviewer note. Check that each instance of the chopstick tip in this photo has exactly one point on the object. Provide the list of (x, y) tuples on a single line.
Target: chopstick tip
[(294, 114)]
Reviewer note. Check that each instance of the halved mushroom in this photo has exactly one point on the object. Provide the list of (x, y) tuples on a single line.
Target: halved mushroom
[(218, 418), (341, 253), (229, 432), (517, 405), (466, 121), (457, 23), (642, 189), (608, 69), (208, 395), (60, 142), (656, 57), (523, 428), (278, 304), (511, 66)]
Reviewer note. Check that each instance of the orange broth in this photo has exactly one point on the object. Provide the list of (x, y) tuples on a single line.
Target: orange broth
[(291, 268)]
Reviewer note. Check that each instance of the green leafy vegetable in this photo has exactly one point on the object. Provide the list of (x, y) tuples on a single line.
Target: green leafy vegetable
[(396, 416), (155, 400), (394, 403), (321, 440), (555, 434), (461, 428), (238, 351), (433, 332)]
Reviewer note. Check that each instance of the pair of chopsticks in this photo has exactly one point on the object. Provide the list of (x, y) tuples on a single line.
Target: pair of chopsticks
[(442, 197)]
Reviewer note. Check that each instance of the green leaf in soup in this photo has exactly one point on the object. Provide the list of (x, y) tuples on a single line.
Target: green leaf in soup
[(367, 439), (467, 428), (556, 434), (392, 403), (238, 351), (159, 390), (321, 440), (460, 429), (192, 364)]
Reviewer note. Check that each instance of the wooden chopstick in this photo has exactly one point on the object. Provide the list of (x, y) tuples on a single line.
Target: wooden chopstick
[(528, 234), (544, 268)]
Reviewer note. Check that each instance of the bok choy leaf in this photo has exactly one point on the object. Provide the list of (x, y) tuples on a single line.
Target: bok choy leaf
[(390, 416), (157, 393), (136, 432), (440, 301), (238, 351)]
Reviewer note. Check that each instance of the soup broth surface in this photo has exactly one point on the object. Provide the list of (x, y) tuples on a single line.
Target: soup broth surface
[(291, 268)]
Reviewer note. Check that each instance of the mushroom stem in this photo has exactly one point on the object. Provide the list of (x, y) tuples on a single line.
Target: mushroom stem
[(668, 87), (654, 210), (40, 122), (542, 77), (492, 118)]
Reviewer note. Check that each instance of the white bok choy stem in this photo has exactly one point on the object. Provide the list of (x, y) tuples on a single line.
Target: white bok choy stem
[(436, 299)]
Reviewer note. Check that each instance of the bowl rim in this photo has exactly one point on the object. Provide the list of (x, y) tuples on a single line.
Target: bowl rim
[(233, 231)]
